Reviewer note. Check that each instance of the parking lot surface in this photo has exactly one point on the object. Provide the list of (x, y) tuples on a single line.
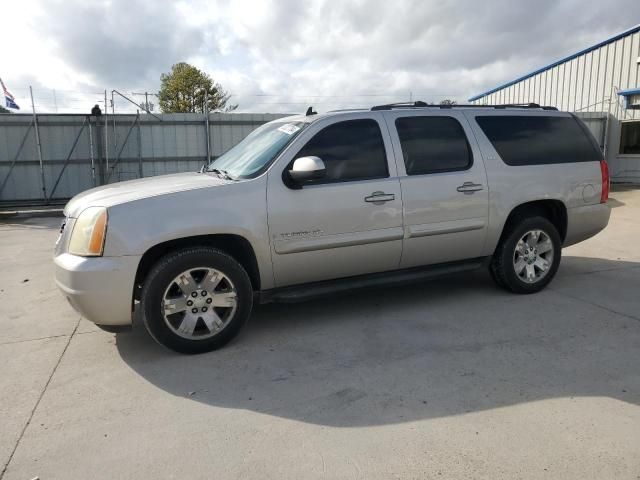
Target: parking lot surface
[(452, 378)]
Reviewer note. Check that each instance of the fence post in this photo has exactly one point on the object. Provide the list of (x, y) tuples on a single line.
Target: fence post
[(606, 135), (100, 149), (206, 123), (93, 165), (115, 134), (38, 146), (139, 145), (106, 129)]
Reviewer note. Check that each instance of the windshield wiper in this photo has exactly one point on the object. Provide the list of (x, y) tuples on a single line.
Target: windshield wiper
[(221, 173)]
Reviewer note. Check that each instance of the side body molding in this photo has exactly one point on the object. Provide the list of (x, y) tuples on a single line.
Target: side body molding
[(426, 230), (310, 243)]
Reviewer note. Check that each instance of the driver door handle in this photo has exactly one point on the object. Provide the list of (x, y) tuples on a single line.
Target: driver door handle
[(379, 198), (468, 188)]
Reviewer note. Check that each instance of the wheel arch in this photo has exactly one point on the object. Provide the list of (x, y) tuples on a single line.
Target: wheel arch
[(553, 210), (235, 245)]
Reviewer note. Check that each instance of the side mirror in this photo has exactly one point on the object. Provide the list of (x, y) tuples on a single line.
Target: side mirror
[(307, 168)]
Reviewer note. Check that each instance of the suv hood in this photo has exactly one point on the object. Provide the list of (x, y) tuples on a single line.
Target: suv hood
[(122, 192)]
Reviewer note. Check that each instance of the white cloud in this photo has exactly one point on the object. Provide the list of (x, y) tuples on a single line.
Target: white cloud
[(283, 55)]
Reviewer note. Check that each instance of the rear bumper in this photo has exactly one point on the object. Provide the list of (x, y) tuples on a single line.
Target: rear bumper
[(99, 288), (585, 222)]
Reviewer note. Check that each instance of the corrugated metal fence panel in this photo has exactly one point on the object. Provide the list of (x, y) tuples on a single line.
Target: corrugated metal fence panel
[(177, 143), (597, 123)]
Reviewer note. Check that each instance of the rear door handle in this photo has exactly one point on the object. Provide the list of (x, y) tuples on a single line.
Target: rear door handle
[(379, 198), (468, 188)]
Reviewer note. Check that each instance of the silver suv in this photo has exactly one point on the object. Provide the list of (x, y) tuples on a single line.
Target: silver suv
[(314, 204)]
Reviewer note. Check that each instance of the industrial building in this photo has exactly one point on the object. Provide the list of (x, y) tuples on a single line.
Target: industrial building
[(602, 84)]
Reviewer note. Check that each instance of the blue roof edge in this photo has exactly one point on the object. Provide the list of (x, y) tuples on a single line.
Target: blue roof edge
[(630, 31), (629, 91)]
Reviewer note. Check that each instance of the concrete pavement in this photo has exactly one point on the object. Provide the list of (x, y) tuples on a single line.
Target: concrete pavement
[(447, 379)]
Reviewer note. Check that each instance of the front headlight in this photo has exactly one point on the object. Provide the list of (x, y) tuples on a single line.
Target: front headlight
[(87, 237)]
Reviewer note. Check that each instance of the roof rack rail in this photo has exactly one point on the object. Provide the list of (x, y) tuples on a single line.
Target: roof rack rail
[(420, 104), (389, 106), (501, 106), (340, 110)]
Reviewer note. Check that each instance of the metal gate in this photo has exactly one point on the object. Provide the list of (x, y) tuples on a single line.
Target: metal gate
[(49, 158), (598, 124)]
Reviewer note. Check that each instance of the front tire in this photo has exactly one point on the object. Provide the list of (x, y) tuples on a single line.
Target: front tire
[(528, 256), (196, 300)]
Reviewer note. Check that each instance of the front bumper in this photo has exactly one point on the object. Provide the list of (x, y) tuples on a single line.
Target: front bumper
[(99, 288)]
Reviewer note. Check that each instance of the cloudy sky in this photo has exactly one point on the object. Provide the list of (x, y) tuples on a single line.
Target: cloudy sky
[(275, 56)]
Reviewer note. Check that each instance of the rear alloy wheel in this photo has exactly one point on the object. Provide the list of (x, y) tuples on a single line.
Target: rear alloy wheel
[(533, 256), (196, 300), (528, 256)]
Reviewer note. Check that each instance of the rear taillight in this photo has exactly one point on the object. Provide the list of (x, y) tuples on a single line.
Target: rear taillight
[(604, 170)]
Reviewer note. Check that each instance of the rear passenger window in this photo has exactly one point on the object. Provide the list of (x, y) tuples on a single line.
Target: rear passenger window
[(351, 150), (433, 144), (538, 140)]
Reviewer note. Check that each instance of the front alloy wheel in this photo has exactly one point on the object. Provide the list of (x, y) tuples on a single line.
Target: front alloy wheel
[(199, 303), (196, 299)]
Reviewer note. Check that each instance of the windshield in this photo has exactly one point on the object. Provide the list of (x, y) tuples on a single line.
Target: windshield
[(255, 153)]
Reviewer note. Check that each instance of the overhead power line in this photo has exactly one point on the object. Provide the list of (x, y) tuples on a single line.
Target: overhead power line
[(50, 100)]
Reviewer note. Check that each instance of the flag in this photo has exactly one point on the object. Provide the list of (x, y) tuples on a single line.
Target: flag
[(9, 99)]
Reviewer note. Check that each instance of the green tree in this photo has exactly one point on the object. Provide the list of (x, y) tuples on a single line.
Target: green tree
[(4, 110), (446, 101), (184, 89)]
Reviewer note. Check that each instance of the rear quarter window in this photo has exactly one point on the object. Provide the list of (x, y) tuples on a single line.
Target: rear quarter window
[(539, 140)]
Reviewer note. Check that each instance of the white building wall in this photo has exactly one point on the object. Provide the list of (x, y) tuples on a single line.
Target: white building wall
[(588, 83)]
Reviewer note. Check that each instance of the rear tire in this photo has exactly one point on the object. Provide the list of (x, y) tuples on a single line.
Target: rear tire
[(528, 256), (196, 300)]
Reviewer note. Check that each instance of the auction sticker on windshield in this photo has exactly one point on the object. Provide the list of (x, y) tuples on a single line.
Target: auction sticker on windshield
[(289, 128)]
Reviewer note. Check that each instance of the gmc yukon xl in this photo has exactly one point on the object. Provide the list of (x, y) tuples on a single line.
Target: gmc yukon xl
[(315, 204)]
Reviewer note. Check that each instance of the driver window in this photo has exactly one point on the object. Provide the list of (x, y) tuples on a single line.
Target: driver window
[(351, 150)]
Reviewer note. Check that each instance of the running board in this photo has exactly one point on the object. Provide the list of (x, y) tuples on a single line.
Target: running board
[(307, 291)]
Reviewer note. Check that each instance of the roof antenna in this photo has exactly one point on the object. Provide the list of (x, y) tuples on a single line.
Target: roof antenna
[(310, 112)]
